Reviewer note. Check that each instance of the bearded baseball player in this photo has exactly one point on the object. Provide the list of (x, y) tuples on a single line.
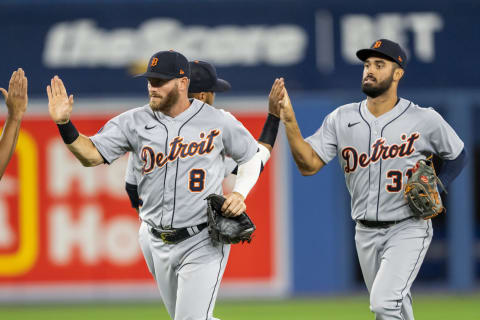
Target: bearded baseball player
[(16, 99), (204, 84), (382, 143), (181, 144)]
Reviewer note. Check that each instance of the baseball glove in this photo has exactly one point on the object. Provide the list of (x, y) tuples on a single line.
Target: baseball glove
[(421, 191), (227, 229)]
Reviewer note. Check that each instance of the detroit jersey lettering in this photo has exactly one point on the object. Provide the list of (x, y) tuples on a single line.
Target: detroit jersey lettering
[(376, 159), (182, 158), (134, 170), (151, 159)]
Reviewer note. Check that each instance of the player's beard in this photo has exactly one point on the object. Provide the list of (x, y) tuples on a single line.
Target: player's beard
[(166, 103), (373, 89)]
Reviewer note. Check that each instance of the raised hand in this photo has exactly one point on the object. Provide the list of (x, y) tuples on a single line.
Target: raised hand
[(59, 103), (275, 96), (286, 109), (16, 97)]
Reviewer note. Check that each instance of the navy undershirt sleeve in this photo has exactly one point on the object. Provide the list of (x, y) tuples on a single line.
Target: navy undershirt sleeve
[(452, 168), (132, 192)]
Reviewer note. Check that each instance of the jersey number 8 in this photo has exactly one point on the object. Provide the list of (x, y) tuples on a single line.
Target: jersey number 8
[(196, 180)]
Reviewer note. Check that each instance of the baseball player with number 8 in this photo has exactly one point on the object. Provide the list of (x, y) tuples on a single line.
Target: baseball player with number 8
[(181, 144), (379, 142)]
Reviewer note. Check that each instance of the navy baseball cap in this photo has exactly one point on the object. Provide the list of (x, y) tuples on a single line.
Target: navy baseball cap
[(167, 65), (204, 78), (387, 49)]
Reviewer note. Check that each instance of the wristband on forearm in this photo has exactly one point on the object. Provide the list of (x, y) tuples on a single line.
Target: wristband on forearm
[(68, 132), (270, 130)]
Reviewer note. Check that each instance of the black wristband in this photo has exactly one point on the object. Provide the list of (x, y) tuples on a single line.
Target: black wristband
[(68, 132), (270, 130)]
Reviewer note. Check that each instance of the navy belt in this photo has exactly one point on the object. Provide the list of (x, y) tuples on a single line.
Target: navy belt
[(381, 224), (172, 236)]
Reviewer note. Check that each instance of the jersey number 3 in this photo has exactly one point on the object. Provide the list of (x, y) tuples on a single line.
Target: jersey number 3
[(396, 177), (196, 180)]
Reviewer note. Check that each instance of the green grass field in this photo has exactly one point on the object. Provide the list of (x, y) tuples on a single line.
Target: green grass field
[(434, 307)]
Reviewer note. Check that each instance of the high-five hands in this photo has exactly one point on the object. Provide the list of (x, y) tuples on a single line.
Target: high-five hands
[(279, 103), (275, 97)]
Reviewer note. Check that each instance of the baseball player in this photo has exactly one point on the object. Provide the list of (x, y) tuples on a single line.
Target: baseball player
[(16, 99), (204, 83), (378, 141), (181, 144)]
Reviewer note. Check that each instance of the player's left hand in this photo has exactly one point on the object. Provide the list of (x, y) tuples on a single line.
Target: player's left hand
[(234, 205), (16, 97)]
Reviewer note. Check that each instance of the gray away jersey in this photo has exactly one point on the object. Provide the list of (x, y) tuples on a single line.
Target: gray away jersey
[(182, 158), (377, 153)]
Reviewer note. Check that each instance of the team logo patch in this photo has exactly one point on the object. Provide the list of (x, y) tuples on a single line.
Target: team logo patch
[(377, 44)]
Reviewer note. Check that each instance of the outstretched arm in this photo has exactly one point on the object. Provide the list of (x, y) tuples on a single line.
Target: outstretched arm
[(248, 173), (60, 107), (268, 136), (16, 99), (270, 128), (307, 160)]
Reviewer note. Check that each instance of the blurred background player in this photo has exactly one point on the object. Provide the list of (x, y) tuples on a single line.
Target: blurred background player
[(204, 83), (16, 99)]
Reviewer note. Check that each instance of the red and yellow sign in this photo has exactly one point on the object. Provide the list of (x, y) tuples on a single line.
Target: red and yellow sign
[(63, 223)]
